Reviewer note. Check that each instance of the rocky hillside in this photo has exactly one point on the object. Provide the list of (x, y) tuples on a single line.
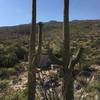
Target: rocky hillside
[(53, 28)]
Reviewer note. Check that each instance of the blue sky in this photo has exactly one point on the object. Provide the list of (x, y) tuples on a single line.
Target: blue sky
[(14, 12)]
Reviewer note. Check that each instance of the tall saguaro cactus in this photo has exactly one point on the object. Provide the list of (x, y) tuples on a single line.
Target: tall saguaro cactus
[(68, 61), (40, 37), (32, 65), (66, 56), (67, 79)]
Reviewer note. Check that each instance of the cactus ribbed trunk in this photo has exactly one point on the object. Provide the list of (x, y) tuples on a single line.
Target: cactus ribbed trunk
[(39, 42), (40, 38), (66, 34), (68, 88), (32, 65), (67, 79)]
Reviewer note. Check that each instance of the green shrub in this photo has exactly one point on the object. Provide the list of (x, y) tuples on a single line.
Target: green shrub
[(4, 84), (85, 66), (3, 73), (97, 60), (11, 71), (2, 58), (19, 67), (20, 52), (8, 60), (12, 52), (95, 85), (6, 72), (16, 95)]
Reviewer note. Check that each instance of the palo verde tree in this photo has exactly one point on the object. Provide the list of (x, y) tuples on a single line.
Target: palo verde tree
[(32, 52)]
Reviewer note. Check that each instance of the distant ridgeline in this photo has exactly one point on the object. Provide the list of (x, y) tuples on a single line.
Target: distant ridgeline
[(87, 28)]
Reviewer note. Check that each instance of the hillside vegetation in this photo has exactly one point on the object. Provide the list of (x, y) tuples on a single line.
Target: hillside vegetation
[(14, 44), (86, 32)]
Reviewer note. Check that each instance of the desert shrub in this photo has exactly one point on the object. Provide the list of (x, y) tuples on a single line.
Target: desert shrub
[(2, 58), (3, 73), (12, 52), (8, 60), (4, 84), (1, 48), (19, 48), (97, 60), (6, 72), (19, 67), (86, 65), (95, 85), (15, 95), (11, 71), (20, 52)]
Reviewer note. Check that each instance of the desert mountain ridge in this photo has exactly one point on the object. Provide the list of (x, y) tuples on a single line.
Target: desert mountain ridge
[(54, 28)]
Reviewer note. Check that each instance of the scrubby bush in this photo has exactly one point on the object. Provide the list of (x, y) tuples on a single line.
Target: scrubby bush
[(95, 85), (4, 84), (8, 60), (12, 52), (97, 60), (6, 72), (15, 95), (11, 71), (3, 73), (2, 58), (20, 52)]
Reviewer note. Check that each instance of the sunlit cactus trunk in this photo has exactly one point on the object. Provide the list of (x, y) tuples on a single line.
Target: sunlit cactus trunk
[(32, 64), (66, 54), (67, 79)]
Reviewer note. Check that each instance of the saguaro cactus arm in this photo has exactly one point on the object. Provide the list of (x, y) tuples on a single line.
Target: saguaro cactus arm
[(37, 55), (40, 37)]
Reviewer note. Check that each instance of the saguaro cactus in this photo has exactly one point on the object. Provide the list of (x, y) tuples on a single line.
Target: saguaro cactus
[(66, 54), (69, 62), (38, 55), (40, 37), (32, 65), (67, 79)]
